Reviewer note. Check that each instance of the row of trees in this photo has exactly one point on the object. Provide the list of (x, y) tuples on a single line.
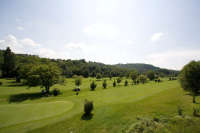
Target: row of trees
[(10, 63)]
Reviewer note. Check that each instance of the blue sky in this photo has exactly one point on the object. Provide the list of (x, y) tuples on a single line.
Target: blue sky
[(164, 33)]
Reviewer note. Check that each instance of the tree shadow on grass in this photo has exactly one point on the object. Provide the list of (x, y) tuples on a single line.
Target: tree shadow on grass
[(25, 96), (86, 116)]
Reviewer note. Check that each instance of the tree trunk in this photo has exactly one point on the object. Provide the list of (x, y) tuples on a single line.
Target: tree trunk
[(194, 99), (47, 89)]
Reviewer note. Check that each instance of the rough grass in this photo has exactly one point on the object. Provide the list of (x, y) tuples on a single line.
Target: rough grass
[(115, 108)]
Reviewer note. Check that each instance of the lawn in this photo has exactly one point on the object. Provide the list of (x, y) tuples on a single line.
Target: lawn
[(22, 109)]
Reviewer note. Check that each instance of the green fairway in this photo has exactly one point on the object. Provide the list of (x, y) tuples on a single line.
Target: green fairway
[(115, 108)]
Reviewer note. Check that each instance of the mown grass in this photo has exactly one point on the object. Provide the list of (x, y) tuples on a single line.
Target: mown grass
[(115, 108)]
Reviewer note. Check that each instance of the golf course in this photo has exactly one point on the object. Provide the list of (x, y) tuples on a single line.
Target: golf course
[(23, 109)]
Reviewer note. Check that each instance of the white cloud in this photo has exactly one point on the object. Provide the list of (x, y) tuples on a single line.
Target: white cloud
[(29, 46), (25, 45), (106, 31), (29, 42), (173, 59), (20, 28), (157, 36), (18, 20)]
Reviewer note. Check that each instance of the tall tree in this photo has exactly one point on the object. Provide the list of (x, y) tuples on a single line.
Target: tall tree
[(189, 78), (133, 75), (151, 75), (44, 75), (9, 63)]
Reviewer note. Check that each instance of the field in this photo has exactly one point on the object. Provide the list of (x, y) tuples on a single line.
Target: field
[(22, 109)]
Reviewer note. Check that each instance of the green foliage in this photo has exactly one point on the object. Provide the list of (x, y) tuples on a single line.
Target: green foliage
[(104, 84), (98, 76), (126, 83), (93, 85), (33, 80), (180, 110), (9, 63), (114, 83), (142, 68), (189, 78), (1, 83), (196, 111), (45, 75), (143, 78), (88, 107), (133, 75), (56, 92), (78, 81), (151, 75), (119, 79)]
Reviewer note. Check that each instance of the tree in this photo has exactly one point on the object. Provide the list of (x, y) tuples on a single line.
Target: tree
[(9, 63), (133, 75), (151, 75), (126, 83), (119, 80), (44, 75), (143, 78), (114, 83), (93, 85), (98, 76), (189, 78), (78, 81), (104, 84), (88, 107)]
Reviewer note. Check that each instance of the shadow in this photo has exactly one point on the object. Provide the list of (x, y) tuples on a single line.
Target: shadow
[(15, 85), (25, 96), (190, 94), (86, 117)]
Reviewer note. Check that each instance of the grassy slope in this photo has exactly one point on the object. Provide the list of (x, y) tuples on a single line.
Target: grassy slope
[(115, 108)]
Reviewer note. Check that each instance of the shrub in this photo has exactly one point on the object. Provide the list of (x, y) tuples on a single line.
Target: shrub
[(180, 111), (196, 111), (1, 83), (119, 80), (76, 89), (143, 78), (93, 85), (126, 83), (114, 83), (88, 107), (104, 84), (98, 76), (43, 92), (56, 92), (78, 81)]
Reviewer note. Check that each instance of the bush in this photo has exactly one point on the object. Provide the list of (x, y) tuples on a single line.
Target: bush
[(114, 83), (88, 107), (56, 92), (126, 83), (119, 80), (143, 78), (98, 76), (78, 81), (1, 83), (196, 111), (93, 85), (76, 89), (104, 84), (180, 111)]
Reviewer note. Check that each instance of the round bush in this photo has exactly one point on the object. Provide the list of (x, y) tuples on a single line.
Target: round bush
[(88, 107)]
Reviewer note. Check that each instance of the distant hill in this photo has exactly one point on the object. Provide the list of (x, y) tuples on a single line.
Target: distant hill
[(138, 66), (141, 67)]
